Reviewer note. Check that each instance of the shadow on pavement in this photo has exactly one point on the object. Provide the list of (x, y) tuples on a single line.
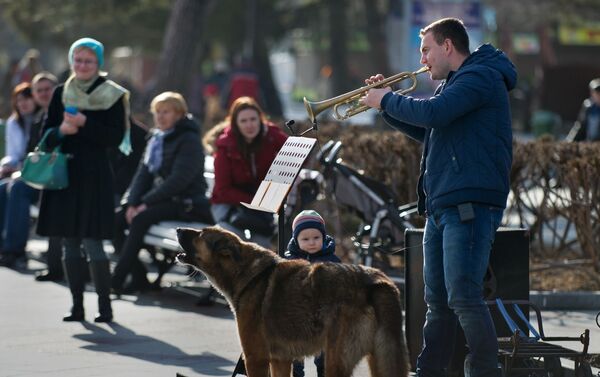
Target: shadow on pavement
[(126, 342), (173, 299)]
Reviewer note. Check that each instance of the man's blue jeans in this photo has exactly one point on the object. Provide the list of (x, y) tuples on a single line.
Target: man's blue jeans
[(455, 261), (15, 198)]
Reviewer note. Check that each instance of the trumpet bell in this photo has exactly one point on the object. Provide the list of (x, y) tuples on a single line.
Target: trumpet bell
[(311, 109), (350, 100), (315, 108)]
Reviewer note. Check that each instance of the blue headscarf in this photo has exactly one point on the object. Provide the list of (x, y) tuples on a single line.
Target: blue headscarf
[(90, 43), (76, 95)]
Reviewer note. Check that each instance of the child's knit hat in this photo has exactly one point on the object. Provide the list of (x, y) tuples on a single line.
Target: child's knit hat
[(307, 219)]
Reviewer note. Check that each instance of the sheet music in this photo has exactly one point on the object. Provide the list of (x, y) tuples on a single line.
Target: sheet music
[(281, 175)]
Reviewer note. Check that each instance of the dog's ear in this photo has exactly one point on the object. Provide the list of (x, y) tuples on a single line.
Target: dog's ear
[(224, 244), (231, 253)]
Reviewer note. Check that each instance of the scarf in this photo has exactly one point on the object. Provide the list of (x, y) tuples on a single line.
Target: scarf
[(101, 98), (154, 151)]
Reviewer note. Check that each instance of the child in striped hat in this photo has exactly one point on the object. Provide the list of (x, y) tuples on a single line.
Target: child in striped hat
[(310, 242), (309, 239)]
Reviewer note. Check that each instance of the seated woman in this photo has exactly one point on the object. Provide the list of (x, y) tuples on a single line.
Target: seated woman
[(244, 146), (169, 185), (244, 152), (15, 195)]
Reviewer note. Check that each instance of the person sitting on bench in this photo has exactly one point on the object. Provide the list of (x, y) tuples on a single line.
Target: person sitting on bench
[(168, 185)]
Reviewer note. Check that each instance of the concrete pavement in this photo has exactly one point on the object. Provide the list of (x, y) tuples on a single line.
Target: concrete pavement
[(154, 334)]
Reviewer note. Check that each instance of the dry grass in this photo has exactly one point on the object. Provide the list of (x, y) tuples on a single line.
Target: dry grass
[(564, 279)]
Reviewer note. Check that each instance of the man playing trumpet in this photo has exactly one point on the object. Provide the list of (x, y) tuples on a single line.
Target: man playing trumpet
[(466, 133)]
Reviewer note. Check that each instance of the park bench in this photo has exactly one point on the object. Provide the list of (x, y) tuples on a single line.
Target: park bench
[(161, 239)]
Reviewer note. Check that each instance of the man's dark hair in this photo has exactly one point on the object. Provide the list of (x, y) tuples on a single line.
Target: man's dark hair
[(449, 28)]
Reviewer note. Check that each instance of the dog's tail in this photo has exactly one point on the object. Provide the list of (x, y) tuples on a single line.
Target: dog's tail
[(390, 355)]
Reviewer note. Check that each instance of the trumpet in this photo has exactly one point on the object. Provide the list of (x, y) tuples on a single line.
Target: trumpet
[(351, 99)]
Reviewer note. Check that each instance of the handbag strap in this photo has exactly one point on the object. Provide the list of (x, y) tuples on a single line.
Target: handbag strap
[(41, 144)]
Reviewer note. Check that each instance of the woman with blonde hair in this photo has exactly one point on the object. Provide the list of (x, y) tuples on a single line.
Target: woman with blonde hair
[(169, 184)]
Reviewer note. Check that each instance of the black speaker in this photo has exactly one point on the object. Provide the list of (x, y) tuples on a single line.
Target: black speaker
[(507, 278)]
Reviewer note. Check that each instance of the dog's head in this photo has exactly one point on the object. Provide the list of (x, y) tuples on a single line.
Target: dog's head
[(208, 248), (222, 256)]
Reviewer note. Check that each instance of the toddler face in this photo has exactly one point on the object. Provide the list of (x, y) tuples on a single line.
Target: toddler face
[(310, 240)]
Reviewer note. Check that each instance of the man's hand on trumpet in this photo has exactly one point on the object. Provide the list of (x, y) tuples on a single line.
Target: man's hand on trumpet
[(374, 96)]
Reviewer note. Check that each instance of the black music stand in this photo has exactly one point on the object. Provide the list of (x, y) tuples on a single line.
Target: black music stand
[(273, 190)]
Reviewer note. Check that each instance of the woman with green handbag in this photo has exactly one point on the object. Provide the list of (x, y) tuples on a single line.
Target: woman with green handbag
[(88, 114)]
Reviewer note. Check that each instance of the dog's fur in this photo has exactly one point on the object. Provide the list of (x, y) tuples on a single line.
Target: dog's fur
[(289, 309)]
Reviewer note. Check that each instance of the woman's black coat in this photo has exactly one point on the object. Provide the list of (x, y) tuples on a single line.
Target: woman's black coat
[(181, 173), (85, 209)]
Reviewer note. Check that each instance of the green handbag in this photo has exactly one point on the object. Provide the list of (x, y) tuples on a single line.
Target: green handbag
[(46, 170)]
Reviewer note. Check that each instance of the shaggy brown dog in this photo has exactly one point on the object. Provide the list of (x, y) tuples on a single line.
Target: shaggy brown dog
[(289, 309)]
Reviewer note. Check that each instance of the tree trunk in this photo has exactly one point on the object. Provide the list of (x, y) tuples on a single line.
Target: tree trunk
[(265, 76), (178, 54), (377, 38), (260, 60), (338, 52)]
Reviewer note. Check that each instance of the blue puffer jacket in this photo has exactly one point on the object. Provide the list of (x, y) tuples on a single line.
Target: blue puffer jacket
[(327, 254), (466, 131)]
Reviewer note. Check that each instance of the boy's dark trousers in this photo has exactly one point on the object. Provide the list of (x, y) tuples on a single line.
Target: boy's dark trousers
[(298, 366)]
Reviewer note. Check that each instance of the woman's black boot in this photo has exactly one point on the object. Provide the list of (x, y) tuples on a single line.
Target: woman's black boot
[(76, 272), (100, 272)]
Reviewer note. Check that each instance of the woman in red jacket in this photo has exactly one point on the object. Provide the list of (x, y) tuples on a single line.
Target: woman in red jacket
[(243, 154), (244, 145)]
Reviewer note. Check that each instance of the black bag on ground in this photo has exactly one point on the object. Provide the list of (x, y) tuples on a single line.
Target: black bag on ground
[(258, 221)]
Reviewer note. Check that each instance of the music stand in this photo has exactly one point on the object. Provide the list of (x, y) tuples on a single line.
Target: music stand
[(273, 191), (274, 188)]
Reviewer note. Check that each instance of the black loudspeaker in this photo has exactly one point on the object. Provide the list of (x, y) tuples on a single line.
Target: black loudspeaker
[(507, 278)]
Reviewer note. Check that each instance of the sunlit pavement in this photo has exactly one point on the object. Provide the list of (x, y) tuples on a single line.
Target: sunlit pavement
[(154, 334)]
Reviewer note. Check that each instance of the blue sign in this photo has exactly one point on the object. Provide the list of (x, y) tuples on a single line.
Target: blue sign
[(425, 12)]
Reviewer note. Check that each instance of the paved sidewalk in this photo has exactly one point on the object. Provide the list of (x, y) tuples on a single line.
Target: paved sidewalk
[(155, 334)]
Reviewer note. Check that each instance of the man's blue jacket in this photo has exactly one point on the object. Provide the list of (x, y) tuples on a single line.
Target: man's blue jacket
[(466, 132)]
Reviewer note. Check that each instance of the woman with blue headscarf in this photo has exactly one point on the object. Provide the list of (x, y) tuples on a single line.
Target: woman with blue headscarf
[(87, 116)]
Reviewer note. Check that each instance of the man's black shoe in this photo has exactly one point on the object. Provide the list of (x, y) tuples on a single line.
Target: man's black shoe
[(74, 316), (103, 318), (140, 287), (47, 276)]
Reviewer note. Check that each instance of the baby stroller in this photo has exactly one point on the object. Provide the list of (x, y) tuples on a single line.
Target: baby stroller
[(383, 221)]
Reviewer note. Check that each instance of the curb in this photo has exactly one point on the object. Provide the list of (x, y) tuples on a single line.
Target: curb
[(551, 300)]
